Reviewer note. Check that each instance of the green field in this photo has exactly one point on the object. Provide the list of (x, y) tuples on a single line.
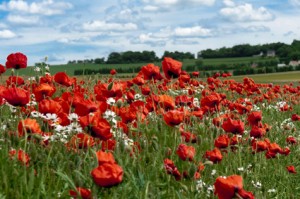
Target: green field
[(284, 77), (70, 68)]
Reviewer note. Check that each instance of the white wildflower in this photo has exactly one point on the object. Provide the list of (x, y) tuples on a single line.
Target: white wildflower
[(109, 115), (31, 78), (287, 124), (213, 172), (3, 127), (73, 117), (200, 184), (37, 69), (196, 102), (271, 191), (256, 184), (74, 127), (35, 114), (110, 101), (51, 116), (137, 96), (241, 169)]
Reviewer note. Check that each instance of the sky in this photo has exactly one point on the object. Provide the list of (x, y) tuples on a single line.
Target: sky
[(66, 30)]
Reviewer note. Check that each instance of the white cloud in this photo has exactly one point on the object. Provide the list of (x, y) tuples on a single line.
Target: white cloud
[(24, 20), (152, 39), (7, 34), (229, 3), (246, 12), (295, 2), (150, 8), (46, 7), (154, 5), (196, 31), (104, 26), (257, 28)]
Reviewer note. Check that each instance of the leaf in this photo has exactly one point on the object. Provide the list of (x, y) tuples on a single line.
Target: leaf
[(109, 87)]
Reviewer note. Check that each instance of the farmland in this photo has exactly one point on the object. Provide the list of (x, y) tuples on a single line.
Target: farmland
[(164, 134), (70, 68)]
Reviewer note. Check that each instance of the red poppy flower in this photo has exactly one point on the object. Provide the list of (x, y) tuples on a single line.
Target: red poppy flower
[(233, 126), (172, 169), (257, 132), (15, 80), (85, 107), (29, 126), (105, 157), (47, 78), (211, 101), (230, 187), (184, 78), (43, 90), (167, 102), (183, 100), (63, 79), (173, 117), (291, 140), (138, 80), (171, 67), (150, 71), (80, 192), (186, 152), (114, 89), (107, 175), (258, 146), (291, 169), (113, 72), (108, 145), (16, 96), (101, 129), (49, 106), (254, 118), (16, 61), (196, 73), (295, 117), (21, 156), (222, 141), (188, 137), (81, 141), (2, 69), (215, 155), (145, 90)]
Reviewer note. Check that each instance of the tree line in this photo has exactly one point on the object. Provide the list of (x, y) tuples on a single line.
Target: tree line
[(284, 51), (129, 57)]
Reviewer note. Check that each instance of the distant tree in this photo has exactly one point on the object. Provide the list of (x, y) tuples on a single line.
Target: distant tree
[(114, 58), (294, 56), (99, 60), (179, 55)]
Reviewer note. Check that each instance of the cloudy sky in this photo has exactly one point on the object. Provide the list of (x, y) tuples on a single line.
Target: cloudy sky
[(78, 29)]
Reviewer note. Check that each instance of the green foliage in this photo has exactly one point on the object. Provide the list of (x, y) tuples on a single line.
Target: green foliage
[(179, 55), (131, 57)]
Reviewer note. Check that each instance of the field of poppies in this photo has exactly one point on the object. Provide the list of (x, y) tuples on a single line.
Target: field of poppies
[(163, 134)]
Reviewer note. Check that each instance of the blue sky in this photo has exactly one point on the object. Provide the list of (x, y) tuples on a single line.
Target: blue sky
[(70, 30)]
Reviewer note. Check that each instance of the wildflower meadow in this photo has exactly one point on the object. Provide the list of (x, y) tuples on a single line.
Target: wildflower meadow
[(163, 134)]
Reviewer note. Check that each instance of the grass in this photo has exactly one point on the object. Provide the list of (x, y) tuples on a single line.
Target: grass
[(54, 169), (282, 77)]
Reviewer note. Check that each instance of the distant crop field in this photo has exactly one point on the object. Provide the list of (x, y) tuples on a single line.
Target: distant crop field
[(70, 68), (272, 77)]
